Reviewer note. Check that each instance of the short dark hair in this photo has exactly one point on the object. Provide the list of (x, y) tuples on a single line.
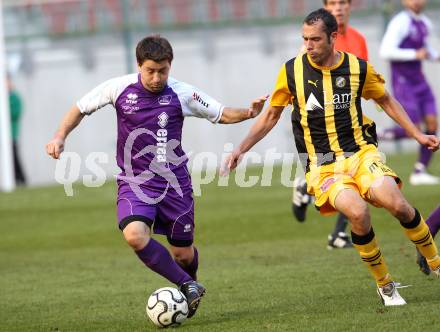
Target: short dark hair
[(154, 48), (330, 23), (325, 2)]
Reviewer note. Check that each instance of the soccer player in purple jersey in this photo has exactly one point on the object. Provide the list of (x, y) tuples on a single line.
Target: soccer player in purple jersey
[(154, 186), (405, 44), (433, 223)]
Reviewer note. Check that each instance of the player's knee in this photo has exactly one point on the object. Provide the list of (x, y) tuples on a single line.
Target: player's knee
[(401, 209), (136, 239), (359, 214), (183, 256)]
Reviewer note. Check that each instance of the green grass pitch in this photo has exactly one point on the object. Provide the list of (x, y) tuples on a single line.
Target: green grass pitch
[(65, 267)]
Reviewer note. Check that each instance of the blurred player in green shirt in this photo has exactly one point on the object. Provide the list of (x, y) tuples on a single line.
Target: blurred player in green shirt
[(16, 108)]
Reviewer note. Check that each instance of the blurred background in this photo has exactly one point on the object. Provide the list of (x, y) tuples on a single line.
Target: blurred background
[(57, 50)]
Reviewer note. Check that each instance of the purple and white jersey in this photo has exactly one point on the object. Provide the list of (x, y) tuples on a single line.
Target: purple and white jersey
[(149, 151), (406, 33)]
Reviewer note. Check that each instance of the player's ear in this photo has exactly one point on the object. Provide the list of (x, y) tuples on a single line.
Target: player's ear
[(333, 36)]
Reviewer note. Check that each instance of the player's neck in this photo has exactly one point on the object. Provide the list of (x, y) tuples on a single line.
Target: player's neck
[(331, 61), (414, 13), (342, 29)]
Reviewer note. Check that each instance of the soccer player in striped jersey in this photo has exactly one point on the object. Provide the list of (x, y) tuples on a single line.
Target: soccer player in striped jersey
[(337, 144), (154, 186), (352, 41), (406, 44)]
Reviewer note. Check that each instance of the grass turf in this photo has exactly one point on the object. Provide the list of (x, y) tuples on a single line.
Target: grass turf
[(65, 267)]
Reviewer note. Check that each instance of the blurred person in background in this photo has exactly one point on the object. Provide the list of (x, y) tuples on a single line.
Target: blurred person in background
[(16, 109), (405, 44), (352, 41)]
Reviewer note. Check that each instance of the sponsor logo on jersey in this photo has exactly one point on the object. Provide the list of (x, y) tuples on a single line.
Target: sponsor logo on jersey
[(161, 145), (327, 183), (340, 101), (315, 83), (187, 228), (131, 98), (163, 119), (128, 109), (199, 99), (313, 103), (165, 100)]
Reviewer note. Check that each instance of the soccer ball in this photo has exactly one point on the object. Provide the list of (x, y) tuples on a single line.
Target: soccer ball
[(167, 307)]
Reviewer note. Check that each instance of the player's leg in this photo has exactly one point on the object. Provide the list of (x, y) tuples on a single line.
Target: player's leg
[(18, 170), (135, 219), (350, 203), (153, 254), (433, 223), (187, 258), (385, 192), (177, 214), (339, 239), (428, 114), (300, 199)]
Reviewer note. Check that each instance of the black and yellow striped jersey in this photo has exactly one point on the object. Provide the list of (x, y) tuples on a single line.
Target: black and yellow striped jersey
[(327, 119)]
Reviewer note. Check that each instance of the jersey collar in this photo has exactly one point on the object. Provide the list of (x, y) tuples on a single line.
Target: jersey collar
[(341, 60)]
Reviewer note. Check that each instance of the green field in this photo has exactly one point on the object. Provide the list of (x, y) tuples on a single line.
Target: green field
[(65, 267)]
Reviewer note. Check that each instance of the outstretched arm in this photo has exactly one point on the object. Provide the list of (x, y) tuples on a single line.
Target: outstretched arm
[(234, 115), (260, 129), (393, 108), (69, 122)]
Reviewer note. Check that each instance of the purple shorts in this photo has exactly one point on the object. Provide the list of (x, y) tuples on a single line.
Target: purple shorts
[(171, 215), (417, 100)]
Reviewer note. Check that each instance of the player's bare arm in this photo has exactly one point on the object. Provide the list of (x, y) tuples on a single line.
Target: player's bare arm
[(260, 129), (69, 122), (234, 115), (393, 108)]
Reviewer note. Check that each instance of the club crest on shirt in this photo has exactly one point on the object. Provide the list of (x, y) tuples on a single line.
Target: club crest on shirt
[(165, 100), (340, 82)]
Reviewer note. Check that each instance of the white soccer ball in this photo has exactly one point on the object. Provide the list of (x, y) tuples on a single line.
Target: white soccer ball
[(166, 307)]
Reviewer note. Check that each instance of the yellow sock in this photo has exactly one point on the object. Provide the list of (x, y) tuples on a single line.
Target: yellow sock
[(372, 257), (418, 232)]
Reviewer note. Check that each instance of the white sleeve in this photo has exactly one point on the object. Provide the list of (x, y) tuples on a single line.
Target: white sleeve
[(104, 94), (396, 32), (195, 102), (433, 53)]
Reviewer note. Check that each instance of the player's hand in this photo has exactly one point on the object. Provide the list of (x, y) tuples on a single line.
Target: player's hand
[(256, 106), (231, 162), (432, 142), (422, 54), (55, 147)]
